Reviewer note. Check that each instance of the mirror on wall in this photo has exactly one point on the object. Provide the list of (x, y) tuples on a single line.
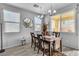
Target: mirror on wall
[(27, 23)]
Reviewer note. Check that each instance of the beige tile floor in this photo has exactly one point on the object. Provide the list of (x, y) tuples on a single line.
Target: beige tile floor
[(26, 50)]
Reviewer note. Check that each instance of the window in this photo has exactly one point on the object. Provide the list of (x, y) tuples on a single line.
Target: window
[(37, 23), (11, 21), (55, 23), (11, 27), (68, 21)]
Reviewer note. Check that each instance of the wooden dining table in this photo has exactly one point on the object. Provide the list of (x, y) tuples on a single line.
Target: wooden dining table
[(50, 40)]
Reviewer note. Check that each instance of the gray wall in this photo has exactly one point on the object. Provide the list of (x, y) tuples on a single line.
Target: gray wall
[(78, 24), (0, 36), (69, 39), (13, 39)]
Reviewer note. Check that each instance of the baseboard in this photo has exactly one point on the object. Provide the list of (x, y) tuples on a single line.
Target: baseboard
[(72, 48)]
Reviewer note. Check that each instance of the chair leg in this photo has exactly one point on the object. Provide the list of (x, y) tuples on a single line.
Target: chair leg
[(43, 51), (43, 54), (31, 44), (34, 46), (43, 48), (38, 49)]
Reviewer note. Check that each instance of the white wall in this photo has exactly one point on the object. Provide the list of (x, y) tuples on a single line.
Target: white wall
[(13, 39)]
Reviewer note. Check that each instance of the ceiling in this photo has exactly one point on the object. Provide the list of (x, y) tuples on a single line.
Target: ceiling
[(43, 7)]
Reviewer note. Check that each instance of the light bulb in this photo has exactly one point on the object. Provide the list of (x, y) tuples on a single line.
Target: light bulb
[(54, 11), (49, 11)]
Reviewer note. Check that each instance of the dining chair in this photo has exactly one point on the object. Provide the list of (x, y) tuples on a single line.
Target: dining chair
[(40, 42), (36, 42), (46, 45)]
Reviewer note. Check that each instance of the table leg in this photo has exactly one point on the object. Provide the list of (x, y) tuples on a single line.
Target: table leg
[(43, 48), (60, 46), (38, 46), (50, 49)]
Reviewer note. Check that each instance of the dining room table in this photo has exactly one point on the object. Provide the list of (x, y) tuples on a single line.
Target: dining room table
[(50, 40)]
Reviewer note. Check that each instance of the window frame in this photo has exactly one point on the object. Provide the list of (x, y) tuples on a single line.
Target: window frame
[(5, 22), (37, 24)]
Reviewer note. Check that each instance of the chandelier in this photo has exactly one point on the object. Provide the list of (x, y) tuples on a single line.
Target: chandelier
[(51, 11)]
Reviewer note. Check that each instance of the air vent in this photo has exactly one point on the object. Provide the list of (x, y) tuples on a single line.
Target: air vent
[(35, 5)]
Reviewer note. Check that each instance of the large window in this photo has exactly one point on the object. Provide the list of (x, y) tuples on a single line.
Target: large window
[(37, 23), (11, 21), (55, 23), (67, 21)]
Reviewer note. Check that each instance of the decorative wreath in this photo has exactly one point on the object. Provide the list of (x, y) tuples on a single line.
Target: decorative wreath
[(27, 23)]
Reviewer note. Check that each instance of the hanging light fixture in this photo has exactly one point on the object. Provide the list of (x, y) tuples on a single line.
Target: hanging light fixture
[(50, 11), (54, 11)]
